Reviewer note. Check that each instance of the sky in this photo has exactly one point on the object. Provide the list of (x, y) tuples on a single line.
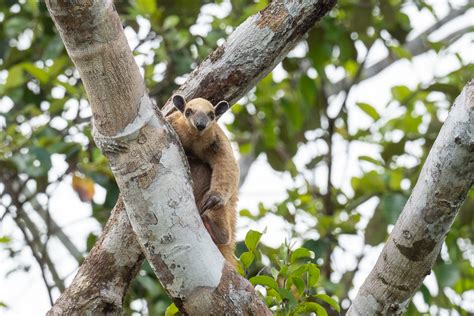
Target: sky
[(263, 184)]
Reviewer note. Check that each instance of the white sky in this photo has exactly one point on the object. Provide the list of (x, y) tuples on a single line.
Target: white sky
[(262, 184)]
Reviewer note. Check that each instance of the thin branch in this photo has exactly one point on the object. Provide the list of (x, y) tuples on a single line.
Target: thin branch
[(32, 228), (52, 226), (245, 162), (36, 255), (453, 14), (40, 247), (327, 198), (415, 47), (56, 230)]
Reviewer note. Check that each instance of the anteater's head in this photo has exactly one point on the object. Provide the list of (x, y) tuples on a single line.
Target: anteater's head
[(199, 112)]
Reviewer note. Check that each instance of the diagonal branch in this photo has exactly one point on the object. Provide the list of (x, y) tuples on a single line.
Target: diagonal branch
[(26, 225), (271, 33), (54, 228), (39, 259), (251, 51), (104, 277), (41, 249), (418, 235), (417, 46)]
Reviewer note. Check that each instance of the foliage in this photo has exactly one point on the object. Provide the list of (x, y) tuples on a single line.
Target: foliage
[(296, 111), (291, 284)]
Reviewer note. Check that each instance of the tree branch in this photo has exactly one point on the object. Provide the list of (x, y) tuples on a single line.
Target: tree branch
[(55, 229), (277, 29), (39, 247), (418, 235), (23, 221), (36, 255), (415, 47), (103, 279), (252, 51)]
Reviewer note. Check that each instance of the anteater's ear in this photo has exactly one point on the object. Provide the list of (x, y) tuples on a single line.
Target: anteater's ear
[(221, 108), (179, 102)]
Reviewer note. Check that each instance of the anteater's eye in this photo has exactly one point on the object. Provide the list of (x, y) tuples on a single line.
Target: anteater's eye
[(188, 112), (211, 115)]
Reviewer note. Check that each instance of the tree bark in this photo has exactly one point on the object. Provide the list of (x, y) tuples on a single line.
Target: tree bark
[(103, 279), (156, 188), (417, 238)]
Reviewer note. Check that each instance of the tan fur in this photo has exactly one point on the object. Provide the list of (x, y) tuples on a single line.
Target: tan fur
[(212, 147)]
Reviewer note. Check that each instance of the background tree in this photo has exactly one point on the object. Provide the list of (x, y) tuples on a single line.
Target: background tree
[(44, 119)]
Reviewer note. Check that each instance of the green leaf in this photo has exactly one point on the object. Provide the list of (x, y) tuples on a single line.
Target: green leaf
[(171, 310), (447, 274), (146, 6), (246, 213), (369, 110), (449, 89), (437, 46), (35, 163), (426, 294), (4, 239), (395, 179), (286, 295), (392, 205), (371, 160), (401, 52), (312, 271), (275, 273), (297, 282), (326, 298), (15, 77), (310, 307), (376, 229), (292, 113), (264, 280), (90, 242), (247, 258), (170, 22), (14, 26), (393, 149), (301, 253), (52, 51), (401, 93), (252, 239), (314, 162), (36, 72), (371, 182)]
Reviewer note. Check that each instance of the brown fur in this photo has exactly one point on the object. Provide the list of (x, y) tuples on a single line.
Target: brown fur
[(217, 201)]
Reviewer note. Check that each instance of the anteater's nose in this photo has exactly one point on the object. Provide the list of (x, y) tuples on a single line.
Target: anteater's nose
[(200, 126)]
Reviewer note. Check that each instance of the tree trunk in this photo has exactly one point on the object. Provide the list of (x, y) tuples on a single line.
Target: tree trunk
[(102, 281), (148, 162), (417, 238)]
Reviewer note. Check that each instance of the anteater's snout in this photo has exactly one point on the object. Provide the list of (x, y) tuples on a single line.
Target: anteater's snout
[(200, 126)]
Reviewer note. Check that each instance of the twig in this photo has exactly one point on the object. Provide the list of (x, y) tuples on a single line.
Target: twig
[(54, 228), (37, 257), (416, 46), (36, 241)]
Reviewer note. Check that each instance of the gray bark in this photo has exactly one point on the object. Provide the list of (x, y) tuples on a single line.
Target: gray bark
[(103, 279), (418, 235), (149, 164)]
